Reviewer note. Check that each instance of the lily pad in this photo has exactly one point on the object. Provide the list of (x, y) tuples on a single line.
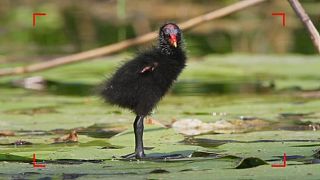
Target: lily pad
[(9, 157), (105, 132)]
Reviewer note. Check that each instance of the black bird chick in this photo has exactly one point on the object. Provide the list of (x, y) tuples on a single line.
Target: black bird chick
[(140, 83)]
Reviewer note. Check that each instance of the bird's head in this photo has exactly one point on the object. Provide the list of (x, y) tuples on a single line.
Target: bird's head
[(170, 35)]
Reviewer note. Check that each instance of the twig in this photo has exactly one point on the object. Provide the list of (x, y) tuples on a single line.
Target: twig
[(314, 34), (127, 43)]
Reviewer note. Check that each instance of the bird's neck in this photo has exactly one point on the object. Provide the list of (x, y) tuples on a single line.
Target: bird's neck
[(168, 50), (176, 54)]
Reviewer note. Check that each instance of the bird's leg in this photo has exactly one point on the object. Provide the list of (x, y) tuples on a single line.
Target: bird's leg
[(138, 134), (139, 150)]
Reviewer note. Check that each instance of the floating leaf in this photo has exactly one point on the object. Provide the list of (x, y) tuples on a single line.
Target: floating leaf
[(24, 112), (10, 157)]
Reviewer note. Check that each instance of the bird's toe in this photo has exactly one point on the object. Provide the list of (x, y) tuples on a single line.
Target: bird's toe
[(134, 156)]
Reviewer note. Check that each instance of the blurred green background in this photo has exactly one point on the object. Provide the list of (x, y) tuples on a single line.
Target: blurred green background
[(73, 26)]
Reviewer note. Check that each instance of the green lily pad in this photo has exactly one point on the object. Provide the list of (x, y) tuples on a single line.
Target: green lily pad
[(105, 132), (10, 157)]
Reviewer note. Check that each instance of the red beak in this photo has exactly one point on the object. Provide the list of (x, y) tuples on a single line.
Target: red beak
[(173, 40)]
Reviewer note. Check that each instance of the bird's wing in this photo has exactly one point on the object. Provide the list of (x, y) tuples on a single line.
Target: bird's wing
[(148, 68)]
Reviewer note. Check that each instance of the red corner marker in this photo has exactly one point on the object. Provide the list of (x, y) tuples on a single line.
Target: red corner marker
[(283, 17), (284, 162), (35, 165), (34, 17)]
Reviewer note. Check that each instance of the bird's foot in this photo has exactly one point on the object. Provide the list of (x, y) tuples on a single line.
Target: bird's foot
[(153, 157), (135, 155), (171, 156)]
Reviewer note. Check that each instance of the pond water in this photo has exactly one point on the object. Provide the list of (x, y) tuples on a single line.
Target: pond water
[(270, 111)]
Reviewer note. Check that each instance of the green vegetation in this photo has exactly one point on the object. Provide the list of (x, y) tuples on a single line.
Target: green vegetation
[(276, 89)]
